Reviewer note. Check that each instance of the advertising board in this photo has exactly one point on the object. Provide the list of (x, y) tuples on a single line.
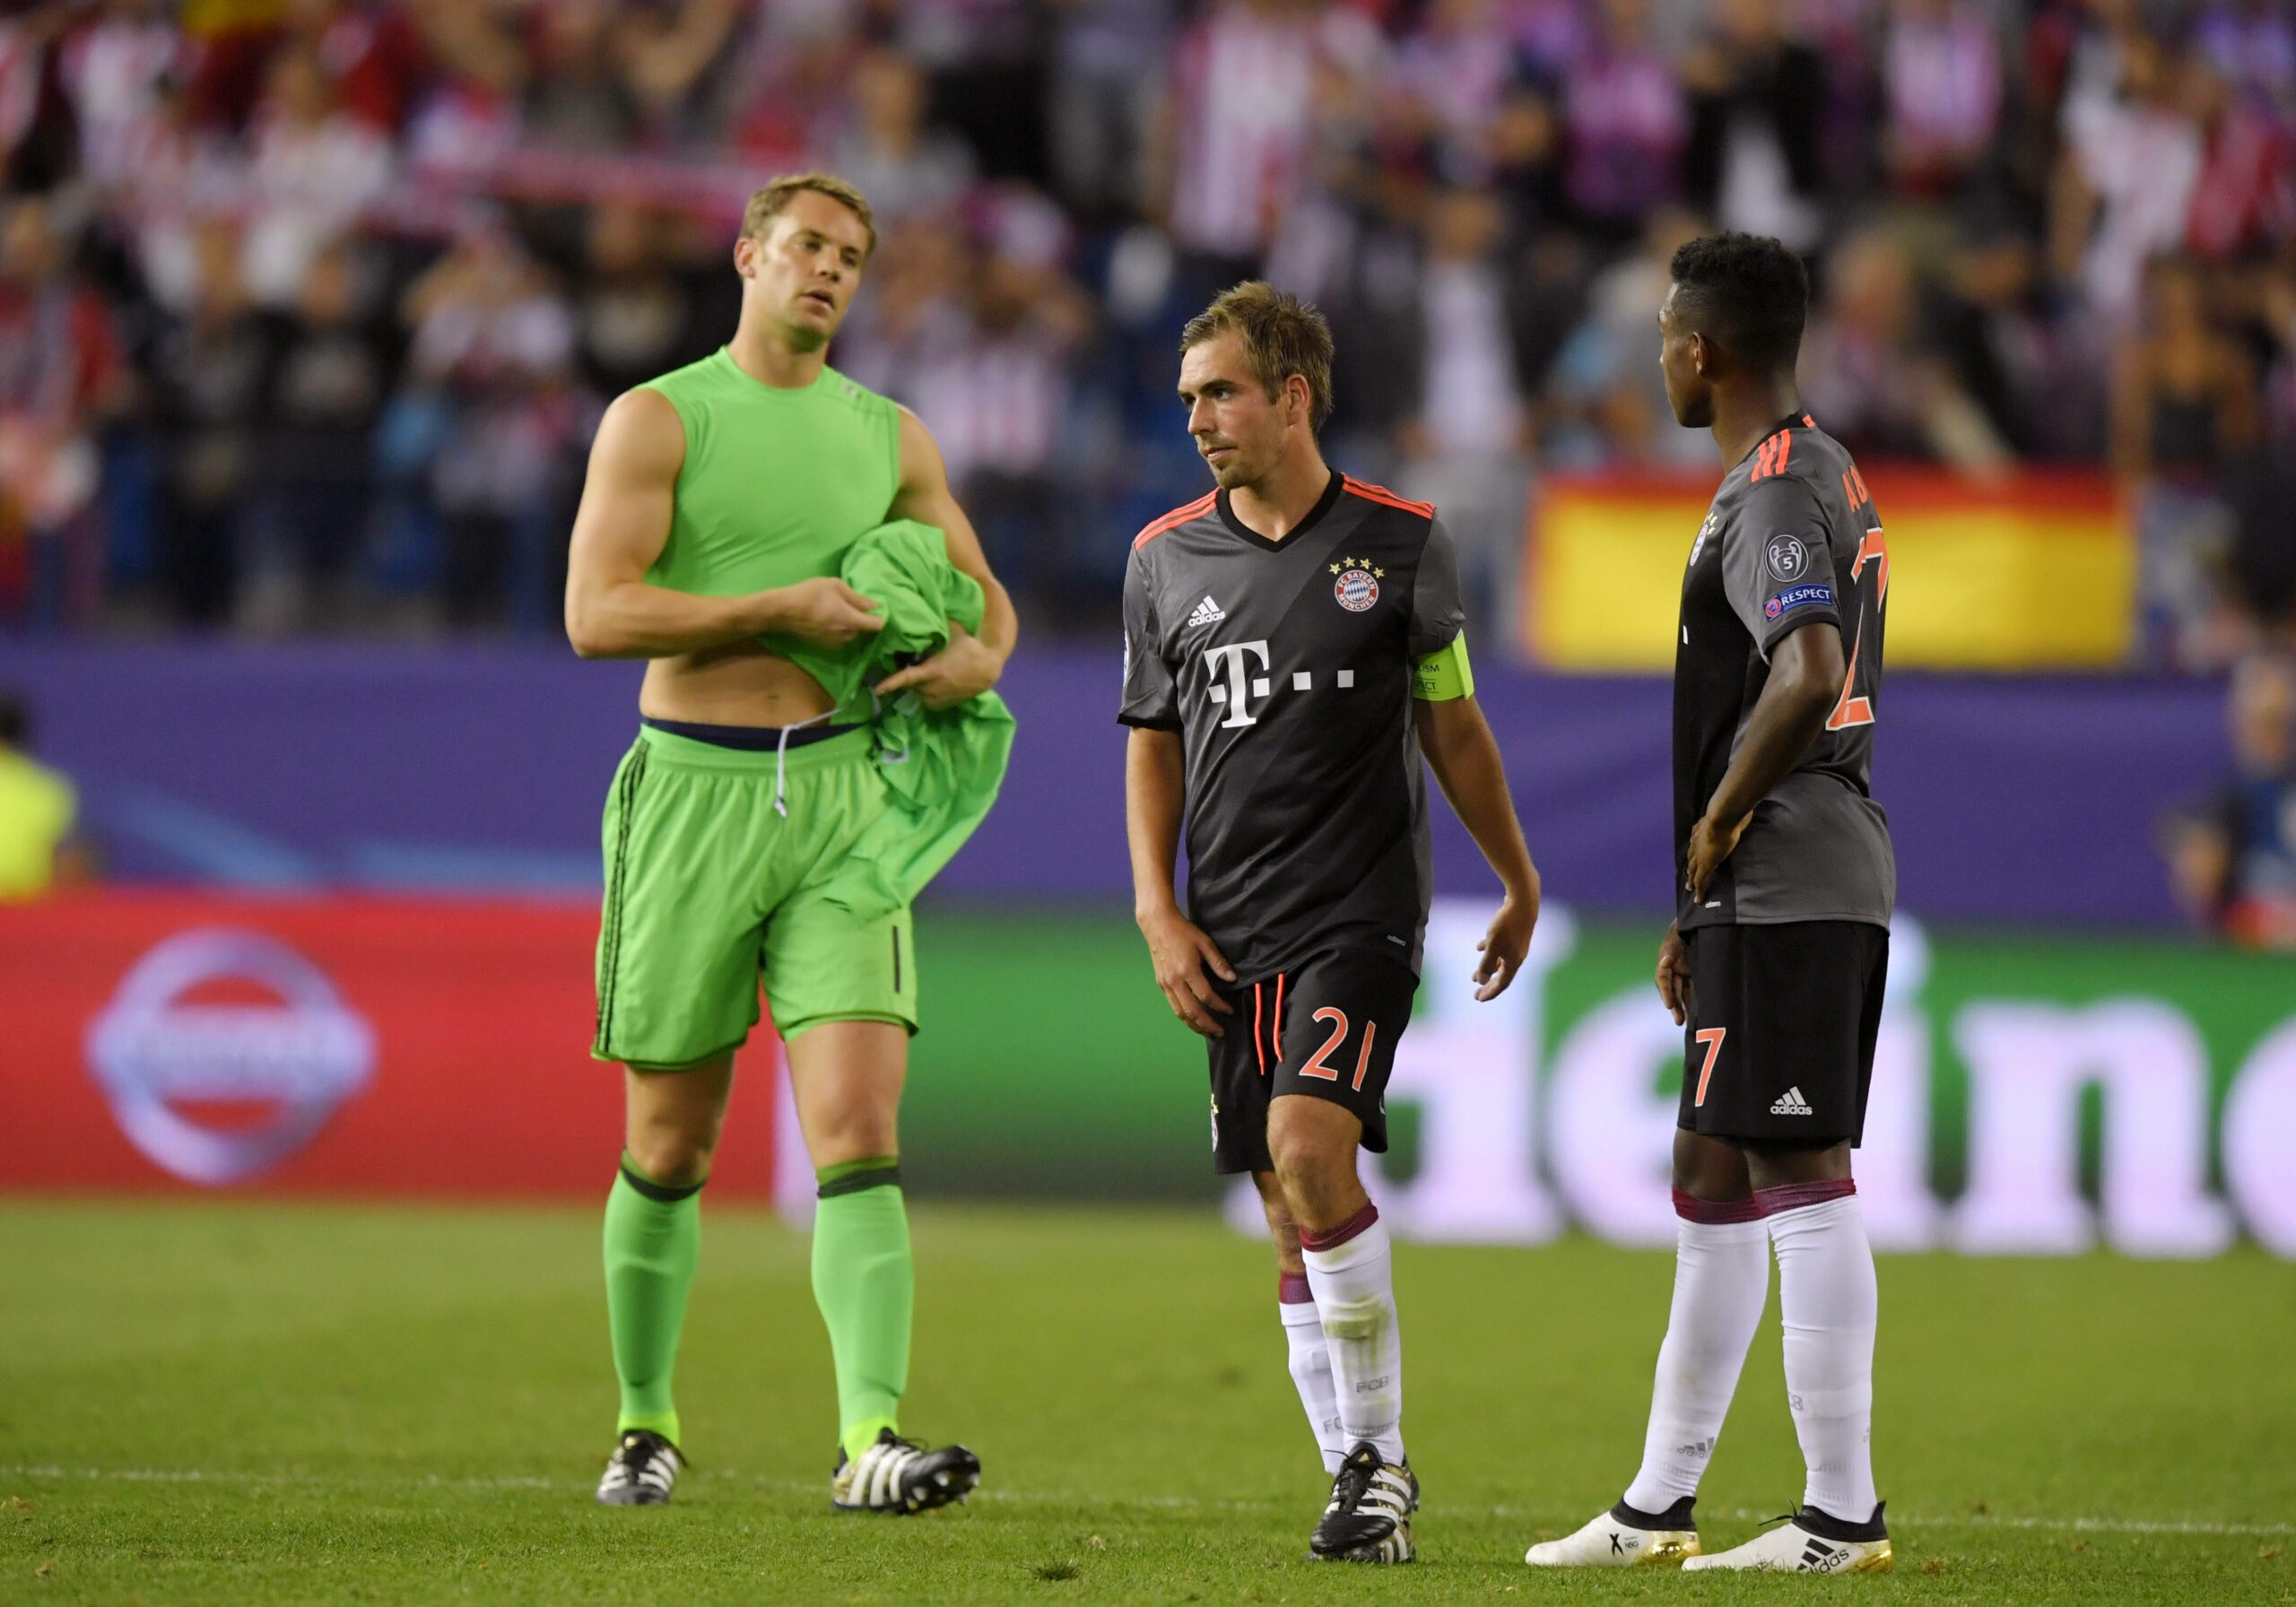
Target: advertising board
[(433, 1049), (2031, 1096)]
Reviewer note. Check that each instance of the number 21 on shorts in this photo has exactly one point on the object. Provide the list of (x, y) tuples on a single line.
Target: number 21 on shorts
[(1317, 1066)]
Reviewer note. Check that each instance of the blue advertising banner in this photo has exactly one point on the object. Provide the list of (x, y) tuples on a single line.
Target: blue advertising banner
[(2034, 800)]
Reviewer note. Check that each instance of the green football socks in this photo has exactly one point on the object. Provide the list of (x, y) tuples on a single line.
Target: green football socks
[(864, 1283), (653, 1239)]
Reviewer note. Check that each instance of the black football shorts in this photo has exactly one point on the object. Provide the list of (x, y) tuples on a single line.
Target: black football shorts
[(1779, 1047), (1326, 1027)]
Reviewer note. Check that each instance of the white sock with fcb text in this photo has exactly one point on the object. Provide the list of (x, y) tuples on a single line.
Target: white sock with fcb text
[(1304, 1334), (1350, 1271), (1721, 1279), (1827, 1295)]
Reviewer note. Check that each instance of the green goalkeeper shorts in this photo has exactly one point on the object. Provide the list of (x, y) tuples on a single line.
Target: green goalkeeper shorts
[(709, 886)]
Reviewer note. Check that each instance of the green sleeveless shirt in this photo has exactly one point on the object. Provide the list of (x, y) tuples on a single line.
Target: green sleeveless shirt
[(777, 484)]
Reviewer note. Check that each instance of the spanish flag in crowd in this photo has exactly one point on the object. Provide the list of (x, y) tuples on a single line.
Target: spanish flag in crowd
[(2037, 572)]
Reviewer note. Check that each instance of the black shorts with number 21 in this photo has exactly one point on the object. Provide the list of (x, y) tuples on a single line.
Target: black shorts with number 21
[(1326, 1027)]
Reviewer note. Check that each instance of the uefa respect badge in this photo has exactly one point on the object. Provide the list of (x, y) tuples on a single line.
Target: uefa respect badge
[(158, 1054)]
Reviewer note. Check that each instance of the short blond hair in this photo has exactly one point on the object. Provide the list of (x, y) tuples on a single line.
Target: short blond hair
[(1282, 335), (774, 199)]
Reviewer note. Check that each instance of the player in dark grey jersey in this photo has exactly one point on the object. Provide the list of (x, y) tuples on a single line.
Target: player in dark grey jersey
[(1776, 960), (1292, 648)]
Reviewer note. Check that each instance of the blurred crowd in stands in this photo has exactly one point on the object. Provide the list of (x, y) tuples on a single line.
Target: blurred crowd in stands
[(308, 306), (2231, 851)]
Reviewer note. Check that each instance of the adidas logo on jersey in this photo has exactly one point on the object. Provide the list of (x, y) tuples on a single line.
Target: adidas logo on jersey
[(1791, 1103), (1207, 613)]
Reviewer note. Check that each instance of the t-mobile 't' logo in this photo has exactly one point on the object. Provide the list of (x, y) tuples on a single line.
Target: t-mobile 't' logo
[(1231, 692)]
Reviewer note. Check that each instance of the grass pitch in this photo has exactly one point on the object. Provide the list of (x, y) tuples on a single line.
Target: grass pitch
[(258, 1403)]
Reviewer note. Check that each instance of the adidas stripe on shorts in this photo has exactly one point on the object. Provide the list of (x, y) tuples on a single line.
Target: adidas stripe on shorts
[(1779, 1047)]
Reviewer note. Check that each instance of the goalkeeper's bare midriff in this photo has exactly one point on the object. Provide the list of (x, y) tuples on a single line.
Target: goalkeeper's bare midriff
[(737, 684)]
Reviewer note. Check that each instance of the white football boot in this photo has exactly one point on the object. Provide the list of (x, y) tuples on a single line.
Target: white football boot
[(1614, 1541), (1809, 1543)]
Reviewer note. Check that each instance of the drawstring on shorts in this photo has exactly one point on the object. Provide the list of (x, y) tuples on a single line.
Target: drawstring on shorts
[(781, 759)]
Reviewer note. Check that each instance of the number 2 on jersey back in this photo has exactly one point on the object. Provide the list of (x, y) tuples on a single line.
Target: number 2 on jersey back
[(1850, 709)]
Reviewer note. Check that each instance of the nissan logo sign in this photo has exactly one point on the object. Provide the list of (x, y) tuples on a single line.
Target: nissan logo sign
[(299, 1059)]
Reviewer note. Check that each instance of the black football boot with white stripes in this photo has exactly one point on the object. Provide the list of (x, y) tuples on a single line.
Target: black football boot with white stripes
[(1368, 1519), (899, 1475), (642, 1470)]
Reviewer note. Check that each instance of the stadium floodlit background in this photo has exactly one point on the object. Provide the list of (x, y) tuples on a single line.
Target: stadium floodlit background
[(308, 311)]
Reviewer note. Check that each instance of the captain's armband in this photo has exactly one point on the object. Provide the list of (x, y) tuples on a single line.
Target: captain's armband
[(1445, 674)]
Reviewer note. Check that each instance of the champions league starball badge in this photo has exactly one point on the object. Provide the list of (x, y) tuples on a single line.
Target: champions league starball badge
[(158, 1054), (1358, 586)]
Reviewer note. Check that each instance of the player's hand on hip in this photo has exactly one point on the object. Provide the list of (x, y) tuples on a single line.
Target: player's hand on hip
[(1673, 973), (1180, 950), (1507, 944), (1710, 843), (963, 669), (828, 612)]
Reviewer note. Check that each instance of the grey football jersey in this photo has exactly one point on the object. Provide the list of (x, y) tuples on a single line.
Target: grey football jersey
[(1287, 668), (1792, 539)]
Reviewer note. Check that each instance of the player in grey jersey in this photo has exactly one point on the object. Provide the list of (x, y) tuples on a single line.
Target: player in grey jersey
[(1776, 962), (1293, 653)]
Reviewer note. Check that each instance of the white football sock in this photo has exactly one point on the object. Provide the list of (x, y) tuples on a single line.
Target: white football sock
[(1303, 1333), (1827, 1295), (1721, 1279), (1351, 1272)]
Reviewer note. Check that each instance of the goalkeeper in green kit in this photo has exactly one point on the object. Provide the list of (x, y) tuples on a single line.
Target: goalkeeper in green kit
[(817, 737)]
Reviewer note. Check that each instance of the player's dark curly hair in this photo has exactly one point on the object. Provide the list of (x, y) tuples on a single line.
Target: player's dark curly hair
[(1747, 290), (1282, 335)]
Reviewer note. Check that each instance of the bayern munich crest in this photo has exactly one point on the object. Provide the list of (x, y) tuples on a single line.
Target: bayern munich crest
[(1358, 586)]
